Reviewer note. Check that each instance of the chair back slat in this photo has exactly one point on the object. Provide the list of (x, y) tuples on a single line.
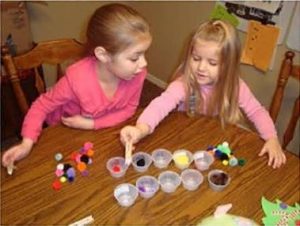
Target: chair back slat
[(39, 84), (50, 52), (53, 52)]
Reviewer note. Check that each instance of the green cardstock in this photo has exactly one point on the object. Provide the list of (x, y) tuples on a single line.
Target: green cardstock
[(220, 12), (279, 213)]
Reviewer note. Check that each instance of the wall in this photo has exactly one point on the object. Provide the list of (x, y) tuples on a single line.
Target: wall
[(172, 23)]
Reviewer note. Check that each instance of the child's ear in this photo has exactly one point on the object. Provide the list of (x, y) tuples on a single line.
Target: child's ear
[(101, 54)]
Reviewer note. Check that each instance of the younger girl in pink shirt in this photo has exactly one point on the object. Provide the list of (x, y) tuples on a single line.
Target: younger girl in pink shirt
[(99, 91), (208, 82)]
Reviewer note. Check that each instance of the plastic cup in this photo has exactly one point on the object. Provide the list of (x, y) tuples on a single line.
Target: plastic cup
[(141, 161), (218, 179), (169, 181), (116, 166), (191, 179), (147, 186), (126, 194), (161, 158), (182, 158), (203, 160)]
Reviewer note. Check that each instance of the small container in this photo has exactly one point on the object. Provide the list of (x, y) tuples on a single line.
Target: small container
[(203, 160), (191, 179), (218, 179), (182, 158), (116, 166), (141, 161), (161, 158), (169, 181), (126, 194), (147, 186)]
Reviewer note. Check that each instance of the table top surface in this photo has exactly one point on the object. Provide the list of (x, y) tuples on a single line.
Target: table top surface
[(27, 197)]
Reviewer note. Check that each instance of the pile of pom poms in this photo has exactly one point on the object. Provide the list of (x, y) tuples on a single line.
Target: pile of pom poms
[(83, 157), (66, 172), (224, 153)]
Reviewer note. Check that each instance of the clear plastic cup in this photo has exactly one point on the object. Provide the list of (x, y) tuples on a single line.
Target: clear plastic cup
[(203, 160), (126, 194), (191, 179), (147, 186), (161, 158), (218, 179), (116, 166), (141, 161), (169, 181), (182, 158)]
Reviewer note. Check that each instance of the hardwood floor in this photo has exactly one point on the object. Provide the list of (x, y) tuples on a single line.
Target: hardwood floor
[(150, 91)]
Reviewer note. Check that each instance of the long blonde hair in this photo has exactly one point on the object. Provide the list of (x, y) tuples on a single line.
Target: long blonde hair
[(224, 98)]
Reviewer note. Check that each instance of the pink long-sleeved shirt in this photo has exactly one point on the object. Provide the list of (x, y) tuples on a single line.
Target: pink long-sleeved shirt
[(79, 93), (174, 96)]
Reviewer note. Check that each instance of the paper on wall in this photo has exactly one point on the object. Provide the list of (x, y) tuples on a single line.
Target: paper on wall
[(260, 44)]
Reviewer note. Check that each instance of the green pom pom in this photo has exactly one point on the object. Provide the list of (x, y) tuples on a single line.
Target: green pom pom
[(242, 162)]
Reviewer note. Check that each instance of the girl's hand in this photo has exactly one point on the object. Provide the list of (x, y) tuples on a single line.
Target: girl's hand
[(17, 152), (276, 155), (130, 134), (134, 133), (78, 122)]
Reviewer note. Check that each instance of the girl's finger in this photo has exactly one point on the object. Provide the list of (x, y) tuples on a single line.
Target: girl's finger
[(284, 157), (276, 162), (271, 159), (262, 152)]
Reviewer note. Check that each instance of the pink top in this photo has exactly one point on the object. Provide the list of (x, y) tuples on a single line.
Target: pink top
[(174, 95), (79, 93)]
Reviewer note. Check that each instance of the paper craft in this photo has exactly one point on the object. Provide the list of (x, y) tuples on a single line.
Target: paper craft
[(260, 44), (220, 12), (280, 213), (128, 153), (222, 217)]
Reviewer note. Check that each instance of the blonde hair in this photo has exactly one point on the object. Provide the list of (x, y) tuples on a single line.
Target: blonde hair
[(115, 27), (224, 98)]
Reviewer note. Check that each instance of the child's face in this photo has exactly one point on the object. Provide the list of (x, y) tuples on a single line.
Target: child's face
[(131, 61), (204, 62)]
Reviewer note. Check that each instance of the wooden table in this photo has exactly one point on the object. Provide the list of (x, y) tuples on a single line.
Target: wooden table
[(27, 197)]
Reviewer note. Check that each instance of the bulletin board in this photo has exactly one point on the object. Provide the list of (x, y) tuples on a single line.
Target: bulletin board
[(276, 13), (267, 24)]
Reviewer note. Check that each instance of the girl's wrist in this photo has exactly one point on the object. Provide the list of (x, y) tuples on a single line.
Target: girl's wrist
[(273, 138), (27, 142), (144, 129)]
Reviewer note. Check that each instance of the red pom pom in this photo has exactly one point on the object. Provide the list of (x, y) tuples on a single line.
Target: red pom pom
[(56, 185)]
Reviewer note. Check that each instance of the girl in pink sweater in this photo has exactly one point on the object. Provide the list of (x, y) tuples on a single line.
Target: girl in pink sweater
[(101, 90), (207, 82)]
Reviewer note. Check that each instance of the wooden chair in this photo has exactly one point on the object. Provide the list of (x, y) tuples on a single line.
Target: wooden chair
[(53, 52), (288, 70)]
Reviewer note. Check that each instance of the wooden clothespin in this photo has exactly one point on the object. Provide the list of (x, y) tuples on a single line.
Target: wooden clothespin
[(10, 168), (128, 152), (83, 222)]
